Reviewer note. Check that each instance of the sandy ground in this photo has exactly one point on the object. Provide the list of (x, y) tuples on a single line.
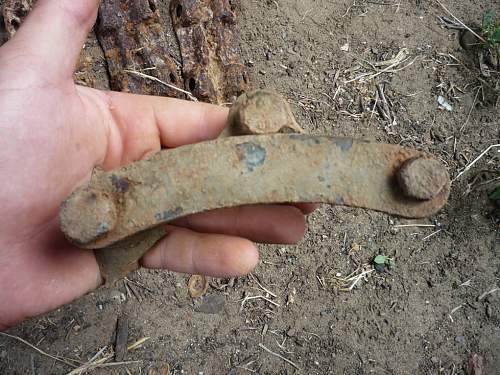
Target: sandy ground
[(428, 315)]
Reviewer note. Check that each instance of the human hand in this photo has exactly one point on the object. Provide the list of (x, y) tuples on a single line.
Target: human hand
[(53, 133)]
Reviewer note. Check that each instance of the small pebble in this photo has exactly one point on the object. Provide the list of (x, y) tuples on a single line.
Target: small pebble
[(291, 332), (394, 230), (460, 340), (212, 304), (443, 103), (117, 296)]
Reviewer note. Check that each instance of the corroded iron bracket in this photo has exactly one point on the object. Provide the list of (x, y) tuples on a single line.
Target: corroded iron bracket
[(123, 212), (238, 171)]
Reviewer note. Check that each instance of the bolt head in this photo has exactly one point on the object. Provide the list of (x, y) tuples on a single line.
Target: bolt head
[(261, 112), (87, 215), (422, 178)]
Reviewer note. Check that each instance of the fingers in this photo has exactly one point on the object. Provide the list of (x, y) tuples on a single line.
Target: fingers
[(54, 32), (139, 125), (178, 122), (266, 224), (183, 250)]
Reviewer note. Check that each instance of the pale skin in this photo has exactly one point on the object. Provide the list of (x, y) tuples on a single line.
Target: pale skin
[(53, 133)]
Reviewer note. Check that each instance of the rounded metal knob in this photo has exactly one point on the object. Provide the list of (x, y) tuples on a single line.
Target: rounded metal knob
[(87, 215)]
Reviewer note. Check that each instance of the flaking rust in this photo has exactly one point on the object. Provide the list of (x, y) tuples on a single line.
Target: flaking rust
[(208, 39), (132, 37)]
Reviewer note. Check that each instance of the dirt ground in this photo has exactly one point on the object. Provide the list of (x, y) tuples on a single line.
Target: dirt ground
[(428, 315)]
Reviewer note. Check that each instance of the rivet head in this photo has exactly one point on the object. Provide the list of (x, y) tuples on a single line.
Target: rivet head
[(87, 215), (422, 178)]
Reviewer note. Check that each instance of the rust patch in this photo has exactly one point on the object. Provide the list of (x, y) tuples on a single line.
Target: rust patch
[(168, 215), (345, 144), (400, 157)]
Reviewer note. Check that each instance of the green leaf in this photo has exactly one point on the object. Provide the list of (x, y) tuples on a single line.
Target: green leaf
[(495, 37), (488, 19), (380, 259)]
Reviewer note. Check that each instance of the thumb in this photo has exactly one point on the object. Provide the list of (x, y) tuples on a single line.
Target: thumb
[(54, 33)]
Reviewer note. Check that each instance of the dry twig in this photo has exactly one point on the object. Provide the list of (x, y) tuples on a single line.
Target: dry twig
[(146, 76), (460, 22), (472, 163), (485, 294), (279, 356), (66, 361), (349, 282)]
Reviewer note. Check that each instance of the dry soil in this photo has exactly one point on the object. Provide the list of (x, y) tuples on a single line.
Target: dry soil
[(426, 315)]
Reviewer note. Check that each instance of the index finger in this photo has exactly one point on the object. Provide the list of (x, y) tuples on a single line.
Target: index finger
[(138, 125), (178, 122)]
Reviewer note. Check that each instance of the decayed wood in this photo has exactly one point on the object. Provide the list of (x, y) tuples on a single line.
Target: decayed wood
[(133, 39), (14, 13), (208, 39)]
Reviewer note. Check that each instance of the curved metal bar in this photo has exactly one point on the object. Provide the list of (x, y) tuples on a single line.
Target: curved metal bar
[(239, 171)]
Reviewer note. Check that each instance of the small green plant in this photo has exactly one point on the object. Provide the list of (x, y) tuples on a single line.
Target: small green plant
[(491, 34), (491, 30), (382, 262)]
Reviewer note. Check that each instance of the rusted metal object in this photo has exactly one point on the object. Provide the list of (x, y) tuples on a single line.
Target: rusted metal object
[(206, 31), (422, 178), (242, 170), (133, 40), (261, 112), (117, 260), (123, 212)]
